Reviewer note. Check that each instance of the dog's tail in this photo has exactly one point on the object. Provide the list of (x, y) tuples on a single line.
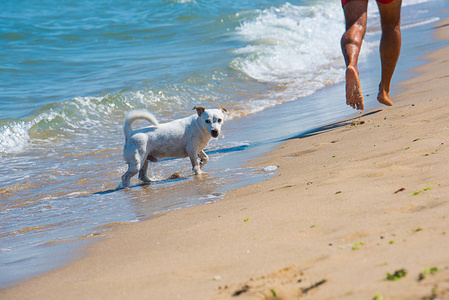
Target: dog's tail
[(135, 115)]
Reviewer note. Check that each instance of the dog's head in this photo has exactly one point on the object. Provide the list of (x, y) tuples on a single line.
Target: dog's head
[(212, 119)]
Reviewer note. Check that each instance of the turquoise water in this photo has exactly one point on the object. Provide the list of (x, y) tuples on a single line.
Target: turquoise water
[(70, 70)]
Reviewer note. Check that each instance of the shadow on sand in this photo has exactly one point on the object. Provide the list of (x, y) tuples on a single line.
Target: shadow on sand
[(326, 128)]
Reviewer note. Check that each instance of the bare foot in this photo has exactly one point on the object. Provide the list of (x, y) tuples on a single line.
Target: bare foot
[(384, 97), (354, 97)]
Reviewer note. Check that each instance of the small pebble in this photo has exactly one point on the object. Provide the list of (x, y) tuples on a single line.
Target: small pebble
[(270, 168)]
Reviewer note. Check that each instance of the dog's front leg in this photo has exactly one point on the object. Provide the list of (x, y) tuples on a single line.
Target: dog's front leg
[(204, 158), (195, 163)]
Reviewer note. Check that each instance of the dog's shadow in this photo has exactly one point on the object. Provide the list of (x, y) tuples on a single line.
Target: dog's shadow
[(171, 179)]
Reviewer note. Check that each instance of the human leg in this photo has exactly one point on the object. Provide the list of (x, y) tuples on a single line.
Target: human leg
[(390, 46), (351, 42)]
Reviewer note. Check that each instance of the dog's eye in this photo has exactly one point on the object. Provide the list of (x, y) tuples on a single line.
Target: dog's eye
[(219, 120), (208, 121)]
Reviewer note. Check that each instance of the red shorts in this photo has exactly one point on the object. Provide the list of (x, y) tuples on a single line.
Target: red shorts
[(380, 1)]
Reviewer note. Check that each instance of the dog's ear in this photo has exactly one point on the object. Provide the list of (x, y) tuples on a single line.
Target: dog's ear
[(223, 109), (199, 110)]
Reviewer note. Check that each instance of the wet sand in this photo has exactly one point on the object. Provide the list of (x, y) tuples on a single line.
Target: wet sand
[(354, 201)]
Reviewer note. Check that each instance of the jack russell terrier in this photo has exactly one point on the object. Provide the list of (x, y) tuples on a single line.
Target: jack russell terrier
[(179, 138)]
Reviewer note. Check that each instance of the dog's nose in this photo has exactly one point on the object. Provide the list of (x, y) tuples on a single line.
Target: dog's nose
[(214, 133)]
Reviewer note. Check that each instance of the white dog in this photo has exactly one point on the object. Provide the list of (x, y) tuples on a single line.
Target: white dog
[(179, 138)]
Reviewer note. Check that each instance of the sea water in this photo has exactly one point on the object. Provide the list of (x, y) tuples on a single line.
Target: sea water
[(70, 70)]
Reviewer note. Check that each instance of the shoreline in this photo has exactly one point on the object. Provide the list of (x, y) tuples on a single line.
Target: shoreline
[(331, 225)]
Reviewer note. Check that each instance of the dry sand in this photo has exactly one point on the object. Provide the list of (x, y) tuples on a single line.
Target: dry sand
[(354, 200)]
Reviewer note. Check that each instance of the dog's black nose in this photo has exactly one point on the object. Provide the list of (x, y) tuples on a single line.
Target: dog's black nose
[(214, 132)]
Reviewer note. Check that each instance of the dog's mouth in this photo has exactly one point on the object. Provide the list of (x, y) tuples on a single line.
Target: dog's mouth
[(214, 133)]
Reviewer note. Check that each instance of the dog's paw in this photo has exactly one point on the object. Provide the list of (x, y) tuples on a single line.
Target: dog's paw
[(199, 172), (145, 179)]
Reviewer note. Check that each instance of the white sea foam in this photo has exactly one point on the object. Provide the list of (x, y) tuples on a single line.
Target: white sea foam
[(290, 43), (77, 116), (14, 137), (295, 47)]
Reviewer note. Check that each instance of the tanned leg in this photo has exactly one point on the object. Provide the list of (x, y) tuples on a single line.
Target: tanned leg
[(390, 46), (351, 43)]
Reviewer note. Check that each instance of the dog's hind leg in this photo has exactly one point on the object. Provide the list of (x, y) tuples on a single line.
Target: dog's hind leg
[(143, 172), (133, 169), (133, 161), (204, 158)]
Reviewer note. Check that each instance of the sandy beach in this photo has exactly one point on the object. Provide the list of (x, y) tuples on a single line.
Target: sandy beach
[(353, 202)]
